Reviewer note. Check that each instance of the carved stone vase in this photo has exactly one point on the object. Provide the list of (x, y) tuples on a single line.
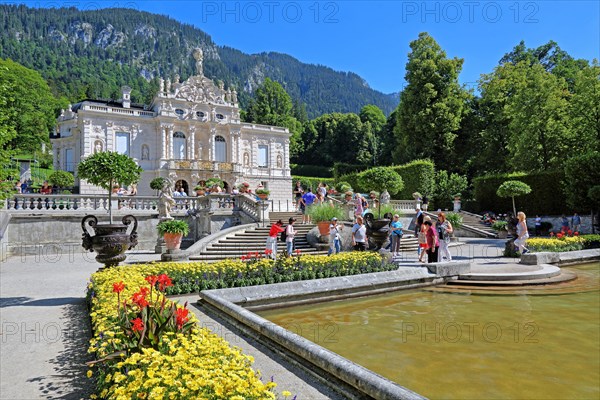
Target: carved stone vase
[(109, 241), (378, 230)]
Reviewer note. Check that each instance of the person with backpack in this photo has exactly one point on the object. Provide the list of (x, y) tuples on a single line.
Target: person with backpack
[(288, 235), (275, 230), (444, 228)]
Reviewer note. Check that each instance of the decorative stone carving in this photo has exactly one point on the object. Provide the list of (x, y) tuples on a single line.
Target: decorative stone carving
[(198, 56), (166, 201), (145, 152), (279, 161), (97, 146)]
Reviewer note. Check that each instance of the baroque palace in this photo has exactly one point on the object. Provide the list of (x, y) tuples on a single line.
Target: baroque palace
[(191, 132)]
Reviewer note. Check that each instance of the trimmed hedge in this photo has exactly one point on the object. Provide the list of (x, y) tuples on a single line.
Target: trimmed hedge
[(318, 171), (417, 175), (546, 195), (311, 182), (340, 168)]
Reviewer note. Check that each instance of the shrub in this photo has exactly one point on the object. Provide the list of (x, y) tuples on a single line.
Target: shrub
[(319, 171), (214, 182), (380, 179), (499, 226), (580, 177), (418, 176), (455, 219), (324, 212), (173, 226), (61, 179), (311, 182)]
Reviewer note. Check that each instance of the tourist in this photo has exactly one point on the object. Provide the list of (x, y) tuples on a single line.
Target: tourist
[(182, 192), (425, 202), (422, 239), (576, 222), (18, 187), (307, 200), (358, 205), (396, 235), (290, 232), (133, 190), (433, 242), (298, 192), (334, 237), (275, 230), (444, 229), (522, 234), (538, 225), (564, 222), (322, 191), (418, 227), (45, 189), (359, 235)]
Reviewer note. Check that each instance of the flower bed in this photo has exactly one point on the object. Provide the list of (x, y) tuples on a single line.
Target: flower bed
[(194, 364), (562, 242)]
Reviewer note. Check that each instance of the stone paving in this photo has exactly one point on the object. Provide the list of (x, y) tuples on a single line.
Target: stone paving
[(44, 328)]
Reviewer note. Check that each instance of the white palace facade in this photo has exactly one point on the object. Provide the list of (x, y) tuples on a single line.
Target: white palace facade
[(191, 132)]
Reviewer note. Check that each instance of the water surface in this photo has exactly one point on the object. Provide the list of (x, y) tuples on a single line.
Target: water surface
[(527, 345)]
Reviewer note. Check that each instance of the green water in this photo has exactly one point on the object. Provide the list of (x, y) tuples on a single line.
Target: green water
[(467, 346)]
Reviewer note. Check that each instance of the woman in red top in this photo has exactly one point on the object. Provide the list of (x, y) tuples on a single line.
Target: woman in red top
[(275, 230), (432, 243), (45, 189)]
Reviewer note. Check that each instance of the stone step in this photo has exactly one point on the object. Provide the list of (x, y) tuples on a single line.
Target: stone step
[(564, 276), (512, 273)]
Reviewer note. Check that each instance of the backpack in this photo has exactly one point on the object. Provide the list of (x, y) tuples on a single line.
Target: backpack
[(442, 233), (284, 234)]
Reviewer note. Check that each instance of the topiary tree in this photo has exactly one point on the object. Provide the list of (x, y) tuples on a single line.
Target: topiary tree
[(513, 189), (61, 179), (380, 179), (107, 168), (157, 184)]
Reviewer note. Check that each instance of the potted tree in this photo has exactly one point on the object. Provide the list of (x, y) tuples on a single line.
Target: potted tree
[(157, 184), (213, 183), (173, 232), (380, 179), (321, 214), (110, 241)]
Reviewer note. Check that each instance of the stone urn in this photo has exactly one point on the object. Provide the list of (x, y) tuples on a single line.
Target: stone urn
[(378, 230), (109, 241)]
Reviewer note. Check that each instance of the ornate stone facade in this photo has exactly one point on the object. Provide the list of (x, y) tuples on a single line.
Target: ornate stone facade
[(191, 132)]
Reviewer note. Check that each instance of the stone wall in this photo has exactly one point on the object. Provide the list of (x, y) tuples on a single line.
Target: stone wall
[(44, 235)]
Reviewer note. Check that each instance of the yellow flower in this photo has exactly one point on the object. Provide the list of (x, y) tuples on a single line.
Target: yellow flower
[(286, 393), (90, 373)]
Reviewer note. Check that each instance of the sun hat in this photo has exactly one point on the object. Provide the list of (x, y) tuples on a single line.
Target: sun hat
[(334, 219)]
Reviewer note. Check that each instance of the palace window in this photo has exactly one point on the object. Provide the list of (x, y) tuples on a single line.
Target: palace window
[(179, 111), (179, 146), (122, 142), (200, 114), (220, 116), (263, 155), (69, 164), (220, 149)]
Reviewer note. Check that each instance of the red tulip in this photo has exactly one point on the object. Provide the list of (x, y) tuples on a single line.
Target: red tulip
[(163, 282), (138, 325), (118, 287), (152, 279), (140, 299)]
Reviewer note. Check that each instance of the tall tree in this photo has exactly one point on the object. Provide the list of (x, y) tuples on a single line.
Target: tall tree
[(28, 109), (539, 134), (373, 121), (584, 109), (271, 105), (431, 105)]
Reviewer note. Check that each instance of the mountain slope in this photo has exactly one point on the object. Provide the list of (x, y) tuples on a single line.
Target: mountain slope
[(92, 53)]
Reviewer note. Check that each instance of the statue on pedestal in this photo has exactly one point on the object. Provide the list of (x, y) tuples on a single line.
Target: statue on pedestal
[(166, 201)]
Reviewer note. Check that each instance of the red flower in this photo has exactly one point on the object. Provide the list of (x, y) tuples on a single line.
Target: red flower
[(182, 316), (144, 291), (140, 299), (298, 251), (559, 235), (118, 287), (570, 232), (576, 234), (152, 279), (268, 252), (163, 282), (243, 258), (138, 325)]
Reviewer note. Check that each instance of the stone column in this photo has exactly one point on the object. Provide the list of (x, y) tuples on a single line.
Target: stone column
[(110, 137), (211, 144), (169, 138), (86, 143), (286, 156), (191, 145), (163, 141)]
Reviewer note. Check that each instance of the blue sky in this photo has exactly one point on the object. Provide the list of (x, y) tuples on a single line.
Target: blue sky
[(372, 38)]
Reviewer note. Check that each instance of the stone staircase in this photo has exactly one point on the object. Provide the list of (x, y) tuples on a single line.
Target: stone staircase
[(254, 240), (475, 221)]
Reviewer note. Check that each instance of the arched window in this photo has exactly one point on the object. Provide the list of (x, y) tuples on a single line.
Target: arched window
[(179, 146), (220, 149)]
